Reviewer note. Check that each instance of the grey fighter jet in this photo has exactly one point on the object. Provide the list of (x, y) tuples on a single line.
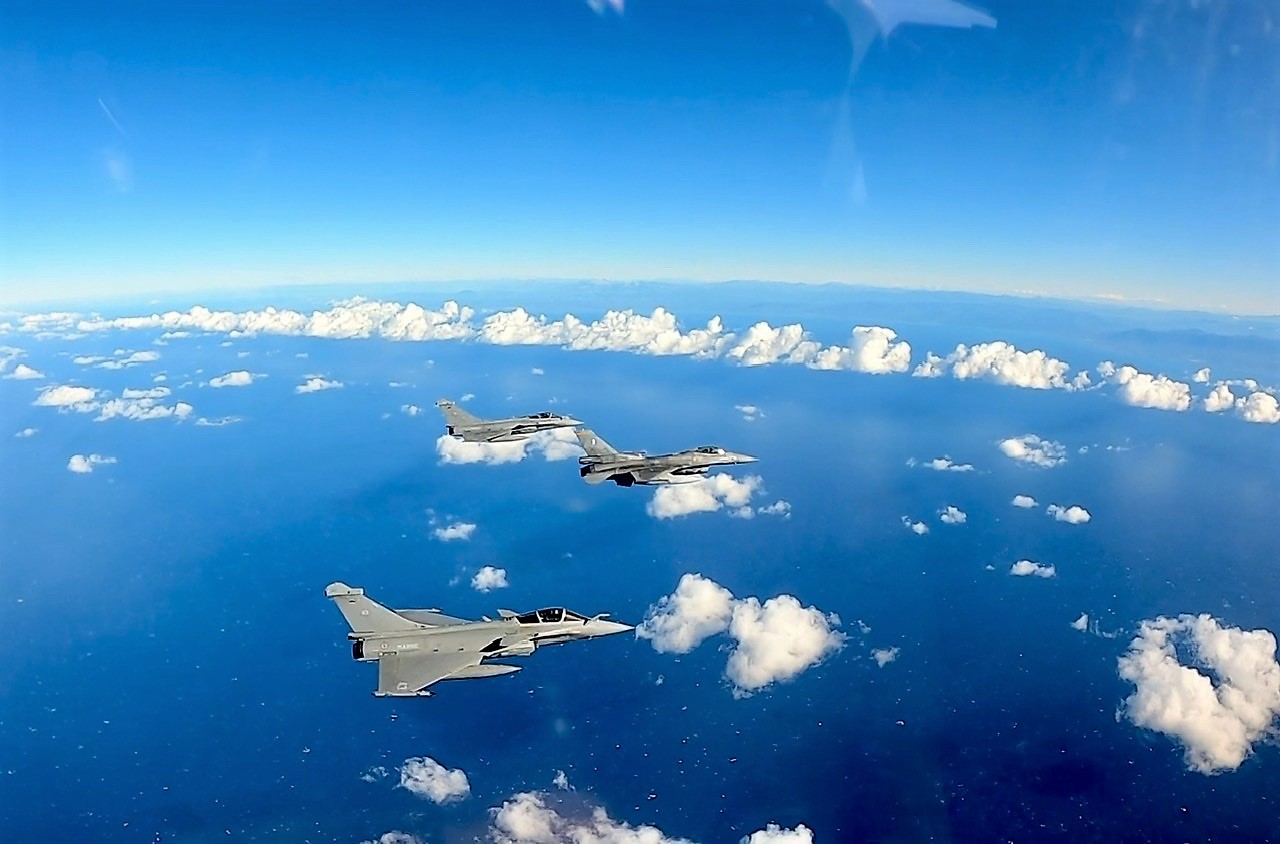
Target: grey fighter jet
[(415, 649), (603, 462), (464, 426)]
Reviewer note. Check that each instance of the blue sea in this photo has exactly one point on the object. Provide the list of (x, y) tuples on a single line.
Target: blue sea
[(173, 672)]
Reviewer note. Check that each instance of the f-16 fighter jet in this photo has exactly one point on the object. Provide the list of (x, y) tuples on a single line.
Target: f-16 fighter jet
[(463, 426), (603, 462), (415, 649)]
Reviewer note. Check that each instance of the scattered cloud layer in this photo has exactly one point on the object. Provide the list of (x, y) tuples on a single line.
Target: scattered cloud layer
[(556, 444), (138, 405), (1030, 448), (82, 464), (1073, 515), (454, 532), (1214, 689), (941, 464), (884, 656), (427, 778), (22, 372), (774, 641), (1029, 568), (1024, 501), (1002, 363), (489, 578), (953, 515)]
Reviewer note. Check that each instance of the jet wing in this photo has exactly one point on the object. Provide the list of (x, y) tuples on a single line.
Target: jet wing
[(409, 673)]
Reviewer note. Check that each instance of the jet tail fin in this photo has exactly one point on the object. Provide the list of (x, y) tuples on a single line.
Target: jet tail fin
[(593, 445), (365, 615), (456, 416)]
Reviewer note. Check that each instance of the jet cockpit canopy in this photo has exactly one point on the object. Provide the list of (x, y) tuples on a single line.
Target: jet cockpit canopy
[(709, 449), (550, 615)]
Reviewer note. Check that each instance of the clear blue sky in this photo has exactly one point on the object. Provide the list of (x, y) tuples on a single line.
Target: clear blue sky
[(1078, 149)]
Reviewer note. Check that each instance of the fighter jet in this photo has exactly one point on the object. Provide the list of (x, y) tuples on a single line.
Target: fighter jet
[(463, 426), (603, 462), (415, 649)]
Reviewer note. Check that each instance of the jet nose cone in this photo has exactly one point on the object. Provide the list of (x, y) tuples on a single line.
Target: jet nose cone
[(570, 422), (744, 458), (602, 627)]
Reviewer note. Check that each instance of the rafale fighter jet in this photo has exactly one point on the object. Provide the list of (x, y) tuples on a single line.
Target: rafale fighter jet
[(603, 462), (417, 648), (464, 426)]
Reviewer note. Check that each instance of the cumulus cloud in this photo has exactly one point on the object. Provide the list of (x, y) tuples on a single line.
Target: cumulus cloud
[(1214, 689), (1029, 568), (122, 359), (1081, 623), (22, 372), (316, 383), (141, 409), (556, 444), (395, 836), (1259, 407), (1220, 399), (1201, 376), (410, 409), (489, 578), (706, 495), (884, 656), (27, 432), (526, 818), (239, 378), (775, 834), (1032, 449), (953, 515), (750, 412), (427, 778), (762, 344), (1001, 363), (1023, 501), (918, 528), (455, 532), (777, 641), (65, 395), (1073, 515), (82, 464), (1141, 389), (679, 622), (618, 331), (871, 349), (774, 641), (943, 464), (780, 507)]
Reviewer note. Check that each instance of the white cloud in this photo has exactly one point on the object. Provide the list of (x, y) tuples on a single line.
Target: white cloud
[(82, 464), (315, 384), (1220, 399), (9, 354), (525, 818), (1141, 389), (943, 464), (1073, 515), (705, 495), (458, 531), (152, 393), (762, 344), (395, 836), (27, 432), (123, 359), (775, 834), (953, 515), (1259, 407), (1081, 623), (22, 372), (217, 423), (427, 778), (489, 578), (656, 334), (1217, 701), (410, 409), (1028, 568), (602, 6), (557, 444), (884, 656), (537, 370), (777, 641), (65, 395), (679, 622), (239, 378), (141, 409), (1001, 363), (750, 412), (871, 349), (1030, 448), (1023, 501), (918, 528), (780, 507), (561, 781), (1201, 376)]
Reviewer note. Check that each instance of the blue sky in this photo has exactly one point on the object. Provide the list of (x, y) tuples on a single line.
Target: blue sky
[(1084, 152)]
